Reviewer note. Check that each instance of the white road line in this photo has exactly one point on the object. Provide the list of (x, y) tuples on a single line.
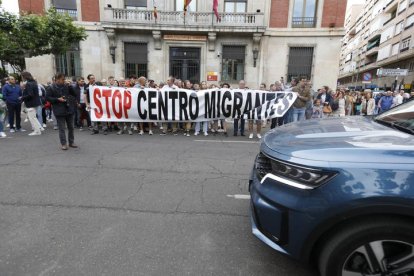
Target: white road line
[(231, 141), (239, 196)]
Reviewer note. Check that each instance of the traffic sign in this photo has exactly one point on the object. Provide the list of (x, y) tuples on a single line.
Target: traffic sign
[(392, 72), (367, 77)]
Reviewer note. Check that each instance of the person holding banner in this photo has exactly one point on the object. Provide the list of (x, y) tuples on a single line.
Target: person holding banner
[(141, 85), (170, 85), (258, 122), (303, 96), (242, 85), (188, 85), (205, 123)]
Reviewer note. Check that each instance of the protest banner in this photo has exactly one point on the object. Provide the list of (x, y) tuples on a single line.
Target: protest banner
[(118, 104)]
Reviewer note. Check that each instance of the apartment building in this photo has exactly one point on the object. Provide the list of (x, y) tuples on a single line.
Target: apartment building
[(380, 35), (259, 41)]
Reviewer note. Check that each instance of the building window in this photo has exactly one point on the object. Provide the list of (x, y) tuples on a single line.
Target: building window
[(402, 6), (136, 4), (300, 62), (69, 62), (136, 59), (394, 49), (233, 63), (179, 6), (66, 6), (405, 44), (410, 21), (399, 27), (411, 66), (304, 14), (235, 6)]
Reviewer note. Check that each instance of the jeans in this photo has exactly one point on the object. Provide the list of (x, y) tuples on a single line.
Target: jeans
[(62, 122), (14, 110), (298, 114), (288, 117), (205, 126), (39, 114), (236, 126), (1, 123), (31, 115)]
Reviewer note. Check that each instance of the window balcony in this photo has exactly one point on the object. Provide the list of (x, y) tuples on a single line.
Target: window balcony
[(124, 18), (303, 22)]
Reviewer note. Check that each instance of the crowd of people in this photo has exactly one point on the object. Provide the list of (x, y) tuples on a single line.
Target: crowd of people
[(65, 104)]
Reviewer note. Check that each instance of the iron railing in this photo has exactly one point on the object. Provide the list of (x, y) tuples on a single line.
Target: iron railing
[(303, 22), (178, 18)]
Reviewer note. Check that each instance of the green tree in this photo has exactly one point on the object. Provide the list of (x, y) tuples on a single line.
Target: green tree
[(33, 35)]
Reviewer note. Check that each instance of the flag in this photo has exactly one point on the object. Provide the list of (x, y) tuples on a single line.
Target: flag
[(155, 9), (186, 3), (215, 9)]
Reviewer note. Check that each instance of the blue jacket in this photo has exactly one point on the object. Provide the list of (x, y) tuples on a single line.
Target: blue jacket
[(12, 93)]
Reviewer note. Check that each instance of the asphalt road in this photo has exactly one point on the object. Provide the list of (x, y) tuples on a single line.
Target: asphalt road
[(130, 205)]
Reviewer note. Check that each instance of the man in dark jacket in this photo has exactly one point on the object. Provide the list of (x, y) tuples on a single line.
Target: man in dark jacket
[(63, 100), (80, 100), (12, 93), (32, 101)]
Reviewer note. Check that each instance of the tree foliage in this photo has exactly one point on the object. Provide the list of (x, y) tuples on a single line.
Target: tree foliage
[(34, 35)]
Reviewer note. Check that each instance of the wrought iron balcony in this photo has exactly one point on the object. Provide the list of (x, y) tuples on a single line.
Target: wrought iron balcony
[(303, 22), (177, 18)]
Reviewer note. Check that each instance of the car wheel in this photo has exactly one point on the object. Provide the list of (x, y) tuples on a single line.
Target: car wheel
[(370, 247)]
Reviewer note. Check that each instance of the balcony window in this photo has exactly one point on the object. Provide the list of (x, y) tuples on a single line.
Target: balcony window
[(405, 44), (136, 4), (69, 62), (136, 59), (66, 6), (300, 62), (233, 6), (179, 5), (304, 14), (373, 43), (233, 63)]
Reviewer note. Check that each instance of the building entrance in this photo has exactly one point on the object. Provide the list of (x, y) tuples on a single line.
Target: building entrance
[(185, 63)]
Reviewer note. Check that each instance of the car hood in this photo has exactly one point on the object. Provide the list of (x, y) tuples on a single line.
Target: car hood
[(354, 139)]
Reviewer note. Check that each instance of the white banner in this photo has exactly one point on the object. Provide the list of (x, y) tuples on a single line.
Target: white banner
[(118, 104)]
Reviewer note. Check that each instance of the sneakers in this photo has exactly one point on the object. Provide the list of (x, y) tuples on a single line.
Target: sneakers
[(259, 136), (3, 135), (251, 136), (44, 125), (205, 134), (55, 128), (213, 130), (8, 126), (26, 120), (161, 128), (64, 147), (141, 132), (163, 133), (196, 133), (12, 130), (175, 133), (187, 133), (120, 132), (20, 129), (135, 128), (130, 132), (34, 133), (150, 132)]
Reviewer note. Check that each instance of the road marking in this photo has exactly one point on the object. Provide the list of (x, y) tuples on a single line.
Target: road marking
[(239, 196), (231, 141)]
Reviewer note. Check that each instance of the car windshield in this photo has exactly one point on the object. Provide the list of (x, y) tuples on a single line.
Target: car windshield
[(400, 117)]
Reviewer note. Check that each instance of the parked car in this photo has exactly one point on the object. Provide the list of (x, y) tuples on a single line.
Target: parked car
[(338, 193)]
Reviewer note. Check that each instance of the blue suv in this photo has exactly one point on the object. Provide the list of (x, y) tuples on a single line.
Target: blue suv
[(338, 193)]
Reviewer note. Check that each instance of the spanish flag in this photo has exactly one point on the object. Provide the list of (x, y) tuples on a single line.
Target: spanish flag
[(186, 3)]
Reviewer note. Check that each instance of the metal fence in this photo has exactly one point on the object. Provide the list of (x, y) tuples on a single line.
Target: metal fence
[(303, 22), (185, 63)]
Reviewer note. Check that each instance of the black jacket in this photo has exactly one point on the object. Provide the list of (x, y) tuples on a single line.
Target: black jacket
[(31, 94), (61, 108)]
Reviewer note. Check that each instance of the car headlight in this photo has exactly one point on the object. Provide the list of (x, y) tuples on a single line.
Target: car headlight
[(293, 175)]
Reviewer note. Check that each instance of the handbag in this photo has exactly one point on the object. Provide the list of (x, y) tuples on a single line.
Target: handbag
[(327, 109)]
